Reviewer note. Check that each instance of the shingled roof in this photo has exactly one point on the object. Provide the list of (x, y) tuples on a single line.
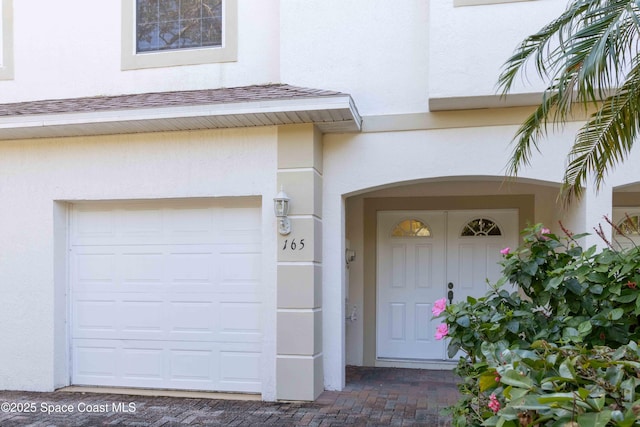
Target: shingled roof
[(259, 105)]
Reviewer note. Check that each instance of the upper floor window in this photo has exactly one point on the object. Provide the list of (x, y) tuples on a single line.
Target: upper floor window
[(458, 3), (164, 33), (6, 43), (178, 24)]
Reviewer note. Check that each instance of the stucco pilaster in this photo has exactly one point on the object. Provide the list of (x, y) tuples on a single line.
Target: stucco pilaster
[(299, 314), (588, 214)]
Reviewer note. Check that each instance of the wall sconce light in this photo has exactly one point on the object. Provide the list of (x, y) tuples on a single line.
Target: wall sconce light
[(349, 256), (281, 208)]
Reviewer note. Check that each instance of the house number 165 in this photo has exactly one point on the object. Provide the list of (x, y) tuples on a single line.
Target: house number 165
[(293, 245)]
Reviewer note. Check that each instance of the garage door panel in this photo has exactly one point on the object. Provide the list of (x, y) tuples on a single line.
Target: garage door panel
[(95, 317), (181, 365), (139, 222), (240, 267), (144, 317), (241, 219), (167, 295), (95, 225), (96, 361), (143, 266), (195, 223), (189, 366), (94, 268), (125, 265), (144, 363), (145, 269), (238, 321), (240, 225), (195, 266), (169, 316), (240, 370), (192, 320)]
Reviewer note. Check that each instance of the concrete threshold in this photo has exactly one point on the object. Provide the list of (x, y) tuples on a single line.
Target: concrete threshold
[(162, 393)]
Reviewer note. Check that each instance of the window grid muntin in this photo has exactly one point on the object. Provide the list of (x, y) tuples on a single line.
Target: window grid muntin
[(411, 227), (169, 16), (482, 227), (629, 226)]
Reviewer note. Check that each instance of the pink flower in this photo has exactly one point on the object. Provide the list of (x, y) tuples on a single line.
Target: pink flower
[(441, 331), (505, 251), (544, 231), (439, 306), (494, 404)]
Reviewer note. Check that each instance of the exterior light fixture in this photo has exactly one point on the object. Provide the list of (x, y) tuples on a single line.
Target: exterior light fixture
[(281, 208)]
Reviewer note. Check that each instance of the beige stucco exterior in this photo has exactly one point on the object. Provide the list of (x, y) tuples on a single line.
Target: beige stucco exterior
[(299, 319), (412, 122)]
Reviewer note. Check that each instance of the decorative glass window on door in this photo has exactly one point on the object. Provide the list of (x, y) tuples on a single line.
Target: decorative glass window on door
[(481, 227), (411, 228), (178, 24), (630, 226)]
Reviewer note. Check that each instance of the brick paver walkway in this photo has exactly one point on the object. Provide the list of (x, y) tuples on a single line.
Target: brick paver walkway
[(372, 397)]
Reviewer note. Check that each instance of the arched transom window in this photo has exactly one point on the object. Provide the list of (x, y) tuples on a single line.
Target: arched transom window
[(481, 227), (411, 228), (630, 226)]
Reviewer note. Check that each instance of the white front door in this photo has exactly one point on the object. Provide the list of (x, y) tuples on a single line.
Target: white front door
[(427, 255)]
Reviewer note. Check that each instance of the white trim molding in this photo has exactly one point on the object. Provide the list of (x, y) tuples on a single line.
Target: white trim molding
[(131, 60), (6, 68), (461, 3)]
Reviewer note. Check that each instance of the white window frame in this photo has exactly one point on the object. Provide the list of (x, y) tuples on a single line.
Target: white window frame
[(461, 3), (228, 52), (6, 68)]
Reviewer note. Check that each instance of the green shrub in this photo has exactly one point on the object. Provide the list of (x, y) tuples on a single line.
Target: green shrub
[(561, 348)]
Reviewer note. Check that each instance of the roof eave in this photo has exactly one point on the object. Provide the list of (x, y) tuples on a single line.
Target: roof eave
[(332, 114)]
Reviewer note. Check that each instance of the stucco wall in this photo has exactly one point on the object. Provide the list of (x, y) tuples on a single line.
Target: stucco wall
[(390, 59), (80, 48), (374, 50), (36, 174), (468, 45)]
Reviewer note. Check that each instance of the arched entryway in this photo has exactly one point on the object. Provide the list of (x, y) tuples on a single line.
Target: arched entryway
[(411, 242)]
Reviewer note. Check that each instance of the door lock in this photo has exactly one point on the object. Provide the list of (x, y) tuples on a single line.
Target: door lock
[(450, 293)]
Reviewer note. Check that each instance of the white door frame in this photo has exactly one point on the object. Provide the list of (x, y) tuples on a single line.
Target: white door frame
[(509, 224)]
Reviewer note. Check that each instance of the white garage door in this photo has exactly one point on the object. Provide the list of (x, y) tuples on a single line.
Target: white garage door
[(167, 294)]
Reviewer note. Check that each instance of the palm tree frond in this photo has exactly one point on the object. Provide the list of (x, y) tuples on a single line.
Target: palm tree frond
[(529, 132), (590, 53), (607, 137)]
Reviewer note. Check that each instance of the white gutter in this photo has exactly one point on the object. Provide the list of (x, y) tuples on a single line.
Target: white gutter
[(339, 106)]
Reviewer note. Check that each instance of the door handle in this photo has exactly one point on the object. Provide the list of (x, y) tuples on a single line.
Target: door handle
[(450, 293)]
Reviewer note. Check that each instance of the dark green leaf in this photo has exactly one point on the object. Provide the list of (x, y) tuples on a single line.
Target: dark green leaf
[(516, 379), (594, 419), (596, 289), (625, 298), (463, 321), (530, 268), (513, 326), (574, 286), (615, 314)]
